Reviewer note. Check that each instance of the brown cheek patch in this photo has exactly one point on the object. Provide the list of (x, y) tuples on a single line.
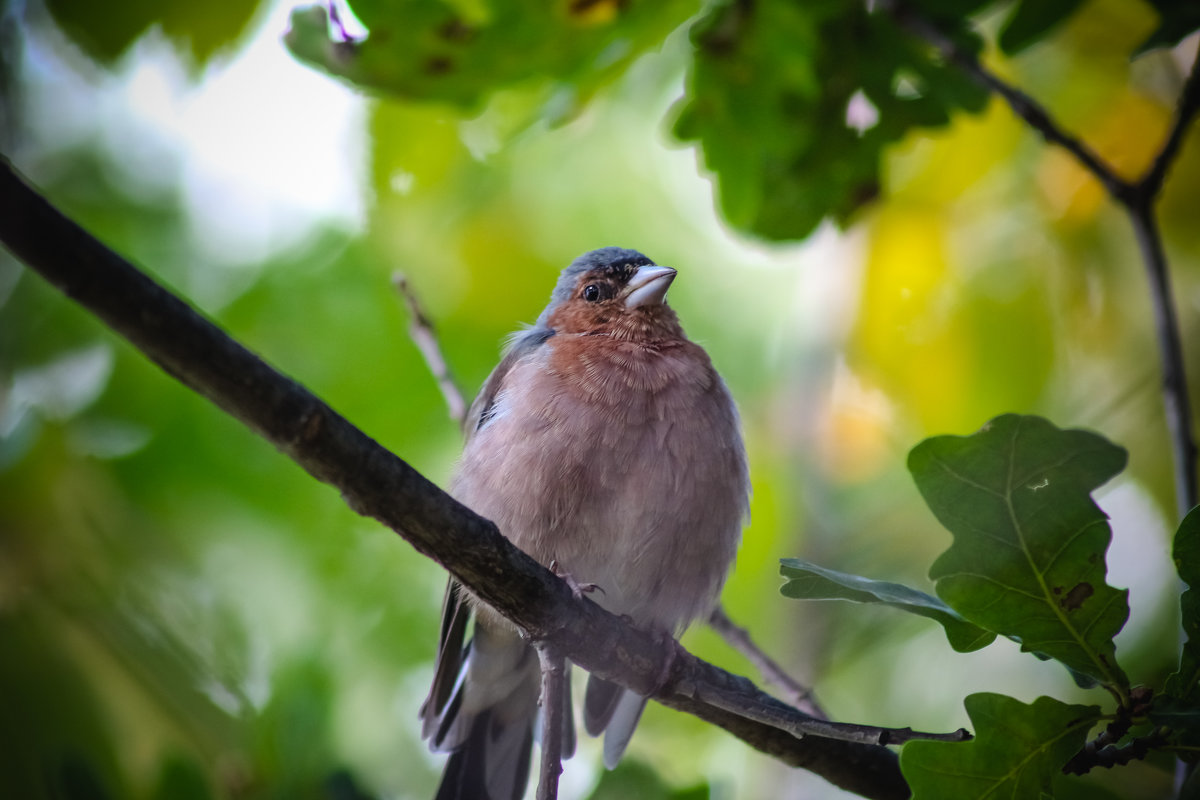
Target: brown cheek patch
[(579, 316)]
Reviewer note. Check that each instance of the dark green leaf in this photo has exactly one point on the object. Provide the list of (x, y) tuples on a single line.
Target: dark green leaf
[(1183, 684), (769, 97), (106, 30), (437, 51), (1033, 19), (1179, 707), (810, 582), (181, 779), (1177, 19), (1017, 752), (1182, 717), (1029, 544)]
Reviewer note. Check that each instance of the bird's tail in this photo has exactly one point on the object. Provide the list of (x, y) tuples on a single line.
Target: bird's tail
[(483, 708), (613, 710)]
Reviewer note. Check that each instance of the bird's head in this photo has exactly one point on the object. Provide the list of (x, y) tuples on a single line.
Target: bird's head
[(615, 292)]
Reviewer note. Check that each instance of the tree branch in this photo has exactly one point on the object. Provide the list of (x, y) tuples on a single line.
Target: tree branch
[(1170, 349), (1140, 206), (1137, 197), (377, 484)]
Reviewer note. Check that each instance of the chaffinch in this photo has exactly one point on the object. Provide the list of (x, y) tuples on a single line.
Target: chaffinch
[(606, 444)]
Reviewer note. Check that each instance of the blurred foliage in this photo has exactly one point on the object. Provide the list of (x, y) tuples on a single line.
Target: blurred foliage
[(105, 31), (461, 53), (634, 779), (192, 616), (1177, 19), (772, 96)]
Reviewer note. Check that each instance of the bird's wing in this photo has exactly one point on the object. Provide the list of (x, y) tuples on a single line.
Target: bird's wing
[(599, 703), (451, 653), (521, 345)]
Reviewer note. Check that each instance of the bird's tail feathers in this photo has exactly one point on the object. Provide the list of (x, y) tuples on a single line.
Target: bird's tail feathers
[(620, 728), (491, 764), (614, 711)]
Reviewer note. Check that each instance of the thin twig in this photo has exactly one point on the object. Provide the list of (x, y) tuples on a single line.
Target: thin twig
[(425, 338), (553, 667), (739, 639)]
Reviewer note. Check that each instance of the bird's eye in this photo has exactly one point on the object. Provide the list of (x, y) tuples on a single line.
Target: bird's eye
[(591, 293)]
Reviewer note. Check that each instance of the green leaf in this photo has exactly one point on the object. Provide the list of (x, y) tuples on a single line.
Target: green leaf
[(1031, 20), (1177, 20), (200, 30), (811, 582), (1029, 544), (1179, 706), (1184, 683), (461, 53), (1017, 752), (768, 99)]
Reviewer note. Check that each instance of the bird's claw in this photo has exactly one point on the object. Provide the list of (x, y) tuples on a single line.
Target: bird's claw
[(578, 589)]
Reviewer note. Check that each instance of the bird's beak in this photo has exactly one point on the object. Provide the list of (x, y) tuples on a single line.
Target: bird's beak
[(648, 286)]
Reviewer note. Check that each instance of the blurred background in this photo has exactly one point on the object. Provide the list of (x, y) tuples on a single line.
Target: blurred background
[(185, 614)]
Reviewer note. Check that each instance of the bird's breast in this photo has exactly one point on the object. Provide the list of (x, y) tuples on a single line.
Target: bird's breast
[(623, 463)]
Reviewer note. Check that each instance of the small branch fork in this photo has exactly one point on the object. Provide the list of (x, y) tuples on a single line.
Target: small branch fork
[(1137, 197)]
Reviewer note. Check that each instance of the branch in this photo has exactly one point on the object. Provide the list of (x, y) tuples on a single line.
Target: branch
[(1170, 348), (1138, 200), (377, 484)]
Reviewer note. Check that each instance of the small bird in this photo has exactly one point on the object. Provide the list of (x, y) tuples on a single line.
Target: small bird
[(606, 446)]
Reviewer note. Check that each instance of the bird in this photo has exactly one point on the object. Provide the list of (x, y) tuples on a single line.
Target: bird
[(605, 445)]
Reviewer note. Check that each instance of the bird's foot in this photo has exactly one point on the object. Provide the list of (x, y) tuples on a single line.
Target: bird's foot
[(578, 589)]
